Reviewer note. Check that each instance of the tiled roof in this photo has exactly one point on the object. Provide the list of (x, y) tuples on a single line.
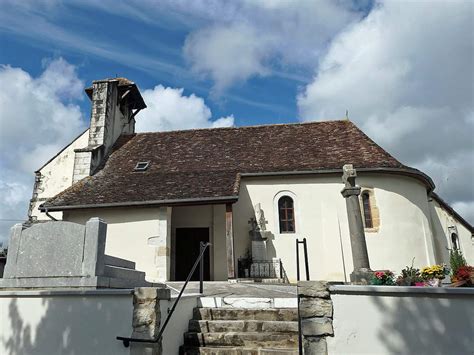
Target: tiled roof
[(207, 163)]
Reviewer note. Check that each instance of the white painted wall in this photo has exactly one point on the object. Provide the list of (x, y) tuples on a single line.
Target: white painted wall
[(321, 217), (56, 176), (64, 324), (402, 323), (128, 232), (173, 337), (406, 228), (441, 222)]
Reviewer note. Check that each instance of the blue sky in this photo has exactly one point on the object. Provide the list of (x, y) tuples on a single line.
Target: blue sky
[(268, 99), (403, 70)]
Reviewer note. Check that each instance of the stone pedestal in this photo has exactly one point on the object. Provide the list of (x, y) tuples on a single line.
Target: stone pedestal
[(259, 250)]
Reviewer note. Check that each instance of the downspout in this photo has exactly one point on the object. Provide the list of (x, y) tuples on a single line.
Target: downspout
[(47, 214)]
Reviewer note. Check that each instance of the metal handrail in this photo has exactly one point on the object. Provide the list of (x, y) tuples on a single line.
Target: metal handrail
[(203, 246), (305, 249)]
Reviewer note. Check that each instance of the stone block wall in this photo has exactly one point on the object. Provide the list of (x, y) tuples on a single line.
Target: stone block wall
[(316, 313), (147, 319), (82, 165)]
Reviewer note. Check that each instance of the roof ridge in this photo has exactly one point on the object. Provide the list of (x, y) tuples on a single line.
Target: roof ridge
[(246, 127)]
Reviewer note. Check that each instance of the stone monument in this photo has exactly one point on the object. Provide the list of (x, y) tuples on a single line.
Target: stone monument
[(362, 273), (64, 254), (258, 234)]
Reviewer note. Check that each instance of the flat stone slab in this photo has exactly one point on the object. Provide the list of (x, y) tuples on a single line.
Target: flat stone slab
[(248, 302), (215, 326), (269, 340), (267, 314), (225, 289)]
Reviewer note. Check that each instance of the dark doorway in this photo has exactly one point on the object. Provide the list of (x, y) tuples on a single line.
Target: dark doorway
[(187, 251)]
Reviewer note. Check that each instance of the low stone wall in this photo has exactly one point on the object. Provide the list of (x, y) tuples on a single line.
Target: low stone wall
[(315, 311), (349, 319)]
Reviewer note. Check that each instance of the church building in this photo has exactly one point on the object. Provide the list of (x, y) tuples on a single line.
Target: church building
[(251, 192)]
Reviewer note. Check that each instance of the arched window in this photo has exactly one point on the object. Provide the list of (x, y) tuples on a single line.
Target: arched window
[(455, 241), (367, 211), (286, 214)]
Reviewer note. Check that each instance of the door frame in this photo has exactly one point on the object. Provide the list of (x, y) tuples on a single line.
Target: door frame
[(209, 250)]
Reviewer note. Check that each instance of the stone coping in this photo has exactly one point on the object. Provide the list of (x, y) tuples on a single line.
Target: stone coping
[(65, 292), (401, 290)]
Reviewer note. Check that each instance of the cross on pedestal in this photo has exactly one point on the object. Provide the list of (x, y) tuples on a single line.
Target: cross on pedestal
[(362, 273)]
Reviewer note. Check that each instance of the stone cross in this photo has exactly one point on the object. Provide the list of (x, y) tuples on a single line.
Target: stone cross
[(360, 257)]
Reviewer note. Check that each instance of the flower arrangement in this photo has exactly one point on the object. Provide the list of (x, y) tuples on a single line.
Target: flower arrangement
[(464, 273), (434, 274), (383, 277), (410, 276)]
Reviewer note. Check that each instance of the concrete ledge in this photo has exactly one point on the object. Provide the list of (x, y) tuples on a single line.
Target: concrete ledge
[(64, 282), (401, 290), (66, 292)]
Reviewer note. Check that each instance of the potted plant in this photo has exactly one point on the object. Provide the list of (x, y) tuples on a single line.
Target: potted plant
[(410, 276), (432, 275), (456, 260), (465, 273), (383, 277)]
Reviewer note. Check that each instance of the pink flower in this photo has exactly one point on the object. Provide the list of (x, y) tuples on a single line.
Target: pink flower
[(379, 274)]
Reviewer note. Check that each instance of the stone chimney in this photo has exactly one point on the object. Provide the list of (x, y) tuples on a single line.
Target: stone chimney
[(115, 103)]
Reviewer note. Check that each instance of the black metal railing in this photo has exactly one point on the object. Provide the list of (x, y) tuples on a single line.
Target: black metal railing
[(305, 250), (202, 249), (260, 269)]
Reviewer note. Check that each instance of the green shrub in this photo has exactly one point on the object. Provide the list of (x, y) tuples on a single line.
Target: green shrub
[(456, 260)]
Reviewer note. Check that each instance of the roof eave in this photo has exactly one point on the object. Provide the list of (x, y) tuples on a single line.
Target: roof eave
[(406, 171), (171, 202)]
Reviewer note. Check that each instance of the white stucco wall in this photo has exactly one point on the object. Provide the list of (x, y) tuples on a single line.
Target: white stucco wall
[(408, 322), (56, 176), (321, 217), (173, 337), (128, 233), (405, 231), (68, 323), (443, 224)]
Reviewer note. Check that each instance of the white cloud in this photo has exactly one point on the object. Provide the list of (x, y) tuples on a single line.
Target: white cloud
[(244, 39), (37, 118), (168, 109), (405, 73)]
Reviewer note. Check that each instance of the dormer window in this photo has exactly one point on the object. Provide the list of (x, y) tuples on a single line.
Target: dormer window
[(142, 166)]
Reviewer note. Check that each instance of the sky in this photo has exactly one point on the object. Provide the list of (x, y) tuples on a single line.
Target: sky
[(404, 71)]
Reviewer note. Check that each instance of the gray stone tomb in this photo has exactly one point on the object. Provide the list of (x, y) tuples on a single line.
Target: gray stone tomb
[(64, 254)]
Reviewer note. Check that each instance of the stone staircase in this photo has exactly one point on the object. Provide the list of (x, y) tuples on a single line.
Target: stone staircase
[(242, 331)]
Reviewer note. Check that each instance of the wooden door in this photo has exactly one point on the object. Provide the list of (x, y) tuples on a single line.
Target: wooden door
[(187, 251)]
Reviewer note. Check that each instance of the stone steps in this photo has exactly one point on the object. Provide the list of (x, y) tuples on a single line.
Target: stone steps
[(246, 339), (235, 351), (242, 331), (123, 273), (215, 326), (265, 314)]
